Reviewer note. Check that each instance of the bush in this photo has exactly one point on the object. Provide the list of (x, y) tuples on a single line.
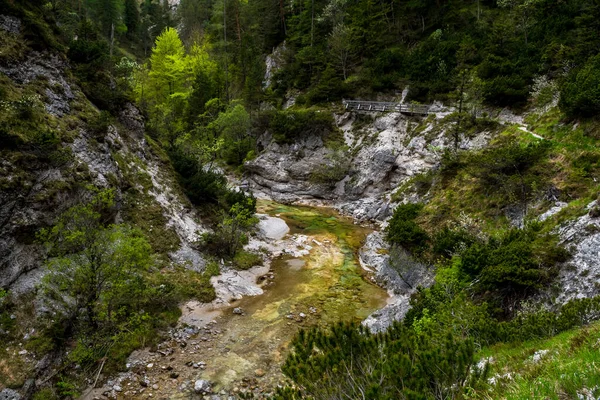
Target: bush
[(404, 231), (449, 242), (348, 361), (245, 260), (332, 171), (99, 124), (580, 94), (232, 196), (290, 125), (508, 170), (513, 265)]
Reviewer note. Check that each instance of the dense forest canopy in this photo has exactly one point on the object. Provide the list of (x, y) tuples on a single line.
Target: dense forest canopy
[(493, 51)]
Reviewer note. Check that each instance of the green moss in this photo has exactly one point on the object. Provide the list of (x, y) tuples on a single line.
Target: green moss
[(144, 213), (245, 260)]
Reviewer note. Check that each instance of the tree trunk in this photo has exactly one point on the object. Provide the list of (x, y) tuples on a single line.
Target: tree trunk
[(112, 38), (282, 16)]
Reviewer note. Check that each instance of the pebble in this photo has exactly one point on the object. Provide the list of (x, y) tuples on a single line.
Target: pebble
[(302, 315), (149, 365), (155, 387), (238, 311), (259, 372)]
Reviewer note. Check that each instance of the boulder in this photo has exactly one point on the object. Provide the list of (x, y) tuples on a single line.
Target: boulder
[(202, 386)]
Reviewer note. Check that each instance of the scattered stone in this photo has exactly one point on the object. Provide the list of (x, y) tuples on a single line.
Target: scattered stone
[(259, 372), (302, 315), (238, 311), (538, 355), (117, 388), (174, 375), (155, 387), (144, 382), (10, 24), (202, 386), (149, 366), (23, 352), (312, 310), (9, 394)]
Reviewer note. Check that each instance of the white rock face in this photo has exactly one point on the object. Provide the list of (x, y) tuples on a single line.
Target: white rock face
[(382, 154), (273, 64), (374, 257), (581, 276)]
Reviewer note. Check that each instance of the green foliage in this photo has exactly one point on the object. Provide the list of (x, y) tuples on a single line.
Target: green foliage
[(98, 125), (400, 363), (509, 264), (333, 170), (404, 231), (245, 260), (290, 125), (231, 233), (580, 94), (449, 242), (509, 170), (201, 185), (99, 267), (233, 127)]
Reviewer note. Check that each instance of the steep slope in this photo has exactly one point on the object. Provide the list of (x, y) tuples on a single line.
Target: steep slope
[(56, 148), (37, 186)]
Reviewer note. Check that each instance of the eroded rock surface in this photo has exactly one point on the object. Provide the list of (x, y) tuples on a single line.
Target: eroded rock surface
[(381, 155), (580, 277)]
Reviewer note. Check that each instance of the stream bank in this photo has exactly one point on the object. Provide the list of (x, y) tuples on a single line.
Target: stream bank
[(311, 277)]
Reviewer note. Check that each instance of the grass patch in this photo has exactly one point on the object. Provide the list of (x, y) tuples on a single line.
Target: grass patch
[(244, 260), (568, 369)]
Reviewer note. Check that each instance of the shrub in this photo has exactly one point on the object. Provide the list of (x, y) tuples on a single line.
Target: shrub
[(513, 265), (348, 361), (449, 242), (232, 196), (290, 125), (333, 170), (98, 125), (245, 260), (404, 231), (508, 170), (580, 94)]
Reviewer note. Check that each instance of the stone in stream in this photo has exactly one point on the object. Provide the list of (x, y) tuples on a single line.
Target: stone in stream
[(202, 386), (272, 227)]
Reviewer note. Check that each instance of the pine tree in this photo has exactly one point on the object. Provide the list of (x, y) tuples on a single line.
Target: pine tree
[(132, 18)]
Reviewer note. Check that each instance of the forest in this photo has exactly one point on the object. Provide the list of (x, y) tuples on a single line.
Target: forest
[(196, 71)]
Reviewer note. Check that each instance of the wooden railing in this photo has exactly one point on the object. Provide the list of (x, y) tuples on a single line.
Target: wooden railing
[(364, 105)]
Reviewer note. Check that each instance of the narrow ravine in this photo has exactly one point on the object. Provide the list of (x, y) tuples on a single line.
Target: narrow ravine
[(240, 346)]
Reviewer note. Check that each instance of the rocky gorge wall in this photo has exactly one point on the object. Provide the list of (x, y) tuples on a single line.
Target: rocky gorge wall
[(384, 153), (35, 190), (381, 154)]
